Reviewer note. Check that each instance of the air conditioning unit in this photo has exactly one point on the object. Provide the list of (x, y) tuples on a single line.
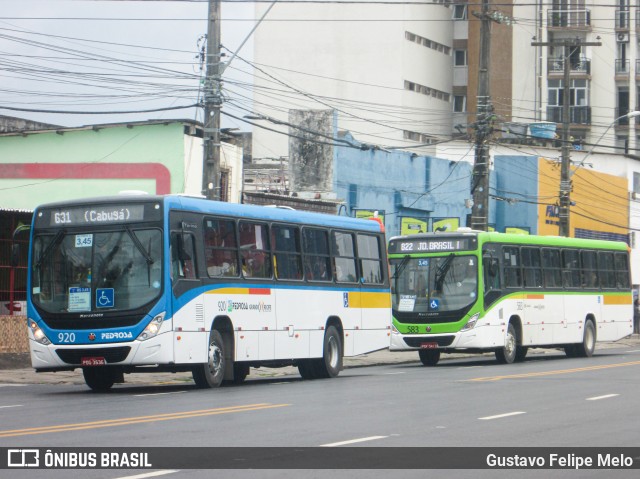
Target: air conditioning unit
[(623, 37)]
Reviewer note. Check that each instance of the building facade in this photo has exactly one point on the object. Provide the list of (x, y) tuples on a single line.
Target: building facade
[(157, 157)]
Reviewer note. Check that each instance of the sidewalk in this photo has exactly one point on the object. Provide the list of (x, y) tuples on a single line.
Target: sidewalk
[(26, 375)]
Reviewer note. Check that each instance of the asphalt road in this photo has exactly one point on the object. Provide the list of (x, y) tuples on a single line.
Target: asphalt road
[(548, 401)]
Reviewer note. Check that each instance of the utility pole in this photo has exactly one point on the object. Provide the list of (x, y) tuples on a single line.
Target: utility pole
[(564, 210), (212, 106), (484, 122)]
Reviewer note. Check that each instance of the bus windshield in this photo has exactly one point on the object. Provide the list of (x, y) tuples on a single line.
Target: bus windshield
[(96, 272), (435, 284)]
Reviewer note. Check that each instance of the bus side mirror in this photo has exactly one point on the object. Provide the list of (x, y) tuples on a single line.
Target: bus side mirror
[(15, 246), (491, 265)]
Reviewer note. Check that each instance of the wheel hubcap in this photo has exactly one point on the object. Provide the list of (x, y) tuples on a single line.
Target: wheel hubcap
[(332, 351), (215, 359), (510, 346)]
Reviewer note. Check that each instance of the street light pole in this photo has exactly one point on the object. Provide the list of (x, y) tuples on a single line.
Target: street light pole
[(631, 114)]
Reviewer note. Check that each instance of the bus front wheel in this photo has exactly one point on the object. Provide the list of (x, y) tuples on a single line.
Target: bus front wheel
[(429, 357), (211, 373), (507, 355), (99, 379)]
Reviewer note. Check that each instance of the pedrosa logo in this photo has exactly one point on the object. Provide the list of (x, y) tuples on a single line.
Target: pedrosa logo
[(118, 335)]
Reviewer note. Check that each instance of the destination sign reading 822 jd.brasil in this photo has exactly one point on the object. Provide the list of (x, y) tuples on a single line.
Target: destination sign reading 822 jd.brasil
[(432, 245), (92, 215)]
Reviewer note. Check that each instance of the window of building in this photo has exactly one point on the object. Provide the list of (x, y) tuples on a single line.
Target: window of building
[(460, 58), (459, 12), (459, 103)]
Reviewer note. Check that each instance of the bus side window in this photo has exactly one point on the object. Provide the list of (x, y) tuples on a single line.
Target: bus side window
[(182, 257), (491, 274)]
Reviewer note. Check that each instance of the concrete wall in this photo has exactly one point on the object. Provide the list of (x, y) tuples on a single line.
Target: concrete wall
[(105, 159), (359, 67)]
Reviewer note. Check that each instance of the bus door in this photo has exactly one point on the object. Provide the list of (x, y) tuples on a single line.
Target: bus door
[(190, 345)]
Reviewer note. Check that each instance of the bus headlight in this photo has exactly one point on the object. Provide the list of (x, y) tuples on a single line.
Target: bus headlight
[(471, 323), (153, 328), (394, 330), (38, 334)]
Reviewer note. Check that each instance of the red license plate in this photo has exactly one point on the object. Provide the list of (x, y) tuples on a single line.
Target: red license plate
[(432, 345), (93, 361)]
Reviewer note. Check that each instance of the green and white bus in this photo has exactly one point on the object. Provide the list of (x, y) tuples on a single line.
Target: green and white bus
[(472, 291)]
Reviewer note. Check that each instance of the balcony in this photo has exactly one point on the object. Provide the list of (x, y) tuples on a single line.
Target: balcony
[(555, 66), (578, 115), (623, 68), (577, 19), (623, 19)]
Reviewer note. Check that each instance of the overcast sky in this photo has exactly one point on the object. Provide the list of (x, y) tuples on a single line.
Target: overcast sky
[(110, 56)]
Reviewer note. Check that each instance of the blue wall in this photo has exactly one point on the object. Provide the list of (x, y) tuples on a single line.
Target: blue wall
[(517, 179), (402, 184)]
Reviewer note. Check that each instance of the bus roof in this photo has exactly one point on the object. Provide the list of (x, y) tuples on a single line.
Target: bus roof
[(495, 237), (203, 205)]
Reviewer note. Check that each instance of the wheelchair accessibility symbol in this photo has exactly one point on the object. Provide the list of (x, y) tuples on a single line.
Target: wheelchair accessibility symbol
[(434, 304), (104, 298)]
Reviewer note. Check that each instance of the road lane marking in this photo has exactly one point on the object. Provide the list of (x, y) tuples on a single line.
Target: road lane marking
[(552, 373), (633, 351), (606, 396), (159, 394), (12, 405), (150, 474), (9, 385), (399, 372), (138, 419), (354, 441), (499, 416)]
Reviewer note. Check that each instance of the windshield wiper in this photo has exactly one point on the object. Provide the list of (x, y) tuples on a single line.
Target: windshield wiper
[(400, 267), (143, 252), (136, 242), (47, 251), (441, 272)]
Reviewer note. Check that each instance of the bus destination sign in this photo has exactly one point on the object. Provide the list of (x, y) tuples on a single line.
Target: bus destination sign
[(432, 244), (94, 215)]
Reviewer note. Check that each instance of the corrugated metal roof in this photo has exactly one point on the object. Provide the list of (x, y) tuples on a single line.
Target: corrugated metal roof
[(14, 210)]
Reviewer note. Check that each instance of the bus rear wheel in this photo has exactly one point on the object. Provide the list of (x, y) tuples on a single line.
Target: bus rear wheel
[(99, 379), (330, 364), (507, 355), (429, 357), (211, 373), (588, 345)]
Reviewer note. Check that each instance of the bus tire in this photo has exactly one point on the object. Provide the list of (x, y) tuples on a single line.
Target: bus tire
[(521, 353), (429, 357), (210, 374), (99, 379), (586, 348), (307, 369), (240, 372), (330, 365), (507, 354)]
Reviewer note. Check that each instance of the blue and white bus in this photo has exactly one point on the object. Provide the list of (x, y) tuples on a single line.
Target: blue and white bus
[(173, 283)]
